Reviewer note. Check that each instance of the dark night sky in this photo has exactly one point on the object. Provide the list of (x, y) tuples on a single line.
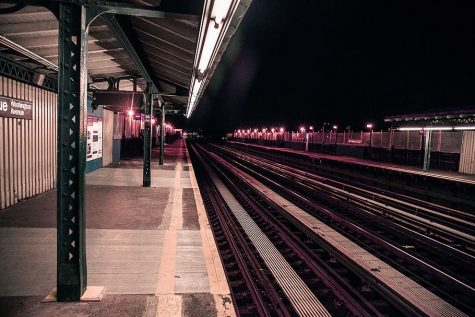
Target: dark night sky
[(346, 62)]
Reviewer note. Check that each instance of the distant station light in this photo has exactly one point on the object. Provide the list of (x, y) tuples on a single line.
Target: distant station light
[(438, 128), (410, 128), (311, 128), (273, 130), (130, 113), (441, 128), (465, 128), (281, 130), (335, 127), (153, 121), (369, 125), (302, 129)]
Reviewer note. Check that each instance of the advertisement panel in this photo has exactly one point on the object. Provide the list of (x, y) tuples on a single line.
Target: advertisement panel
[(94, 138)]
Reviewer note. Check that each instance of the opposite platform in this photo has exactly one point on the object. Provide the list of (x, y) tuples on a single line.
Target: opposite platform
[(150, 247), (436, 174)]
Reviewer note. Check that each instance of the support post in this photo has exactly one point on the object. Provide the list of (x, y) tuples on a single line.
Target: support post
[(147, 145), (427, 146), (162, 135), (72, 118)]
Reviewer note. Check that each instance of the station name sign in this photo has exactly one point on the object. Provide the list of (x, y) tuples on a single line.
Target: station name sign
[(15, 108)]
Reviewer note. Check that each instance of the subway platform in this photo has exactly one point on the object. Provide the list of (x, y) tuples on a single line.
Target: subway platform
[(151, 248)]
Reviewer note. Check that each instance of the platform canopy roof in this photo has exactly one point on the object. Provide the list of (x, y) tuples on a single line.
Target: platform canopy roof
[(176, 45), (457, 117)]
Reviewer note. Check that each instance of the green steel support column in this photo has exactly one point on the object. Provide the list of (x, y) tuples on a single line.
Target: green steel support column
[(162, 135), (72, 112), (427, 143), (147, 145)]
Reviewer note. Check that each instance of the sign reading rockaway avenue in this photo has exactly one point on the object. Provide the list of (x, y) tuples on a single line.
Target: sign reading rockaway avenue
[(15, 108)]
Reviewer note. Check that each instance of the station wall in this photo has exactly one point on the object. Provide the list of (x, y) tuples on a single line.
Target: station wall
[(28, 146), (467, 155)]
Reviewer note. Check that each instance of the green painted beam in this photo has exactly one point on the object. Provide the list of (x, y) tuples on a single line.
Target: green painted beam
[(147, 136), (138, 59), (70, 182)]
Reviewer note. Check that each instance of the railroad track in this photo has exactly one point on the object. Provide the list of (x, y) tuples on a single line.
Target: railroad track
[(441, 268), (262, 282), (432, 216), (444, 201), (380, 252), (456, 242)]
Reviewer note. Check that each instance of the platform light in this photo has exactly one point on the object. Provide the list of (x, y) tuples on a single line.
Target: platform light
[(311, 128), (218, 13), (335, 127), (255, 130), (369, 125), (465, 128), (273, 130), (438, 128), (153, 121), (214, 24), (281, 130), (410, 128), (130, 113), (211, 37), (302, 129)]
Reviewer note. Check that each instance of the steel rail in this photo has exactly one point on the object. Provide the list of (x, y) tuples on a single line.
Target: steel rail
[(444, 276), (379, 207), (243, 256), (330, 277), (297, 292), (415, 205)]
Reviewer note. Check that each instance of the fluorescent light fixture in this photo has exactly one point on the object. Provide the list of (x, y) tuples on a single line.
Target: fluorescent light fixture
[(410, 129), (211, 39), (220, 10), (215, 22), (465, 128), (438, 128)]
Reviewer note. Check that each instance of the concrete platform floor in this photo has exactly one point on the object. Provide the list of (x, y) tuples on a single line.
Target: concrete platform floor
[(151, 248)]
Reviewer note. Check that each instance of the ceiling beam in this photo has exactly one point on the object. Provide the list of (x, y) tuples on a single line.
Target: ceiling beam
[(131, 48), (140, 11)]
